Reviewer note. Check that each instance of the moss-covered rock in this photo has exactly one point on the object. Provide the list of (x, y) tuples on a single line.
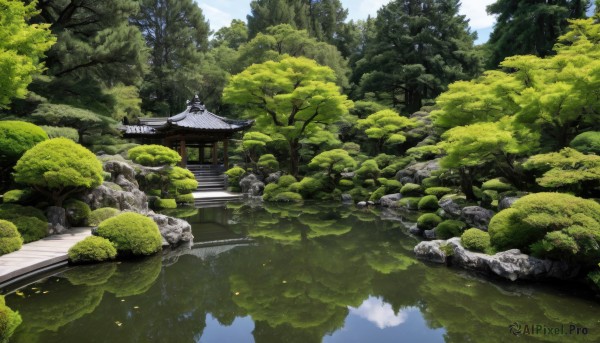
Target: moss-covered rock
[(428, 202), (411, 190), (92, 249), (379, 192), (287, 197), (428, 221), (432, 181), (499, 185), (131, 233), (475, 240), (411, 203), (439, 192), (78, 212), (449, 228), (99, 215), (10, 238)]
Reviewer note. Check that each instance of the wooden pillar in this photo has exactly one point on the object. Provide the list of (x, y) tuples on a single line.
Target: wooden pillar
[(214, 153), (225, 154), (183, 152)]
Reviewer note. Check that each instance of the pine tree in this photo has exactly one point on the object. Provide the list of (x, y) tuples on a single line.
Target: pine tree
[(177, 34), (530, 27)]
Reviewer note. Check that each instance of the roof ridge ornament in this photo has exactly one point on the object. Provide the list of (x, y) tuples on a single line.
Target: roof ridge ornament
[(196, 105)]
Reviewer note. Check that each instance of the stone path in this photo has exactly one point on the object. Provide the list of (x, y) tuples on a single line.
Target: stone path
[(40, 254), (216, 195)]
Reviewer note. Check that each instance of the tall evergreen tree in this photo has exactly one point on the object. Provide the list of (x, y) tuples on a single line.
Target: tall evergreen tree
[(323, 19), (419, 48), (177, 34), (530, 27), (96, 48)]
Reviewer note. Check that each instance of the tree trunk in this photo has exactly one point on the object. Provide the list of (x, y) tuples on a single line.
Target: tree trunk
[(294, 157), (466, 183)]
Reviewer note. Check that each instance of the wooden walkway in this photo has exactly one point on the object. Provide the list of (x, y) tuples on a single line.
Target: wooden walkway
[(40, 254)]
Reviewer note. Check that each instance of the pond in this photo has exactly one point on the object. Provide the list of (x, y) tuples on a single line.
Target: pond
[(310, 273)]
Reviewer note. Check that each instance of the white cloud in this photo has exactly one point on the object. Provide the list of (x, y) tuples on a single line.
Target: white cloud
[(379, 313), (217, 17), (475, 11)]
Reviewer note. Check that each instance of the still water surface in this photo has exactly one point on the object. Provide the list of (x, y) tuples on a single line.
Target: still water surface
[(311, 273)]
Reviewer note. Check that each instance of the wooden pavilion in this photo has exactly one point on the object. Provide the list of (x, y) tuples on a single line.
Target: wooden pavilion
[(194, 128)]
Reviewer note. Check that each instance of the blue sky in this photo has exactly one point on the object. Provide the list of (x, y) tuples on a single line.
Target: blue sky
[(221, 12)]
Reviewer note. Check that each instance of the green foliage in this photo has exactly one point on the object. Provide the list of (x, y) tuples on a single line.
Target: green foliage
[(78, 212), (165, 203), (131, 233), (438, 191), (428, 221), (379, 192), (368, 170), (300, 102), (31, 228), (352, 148), (286, 180), (82, 120), (411, 203), (391, 186), (92, 249), (16, 137), (10, 238), (553, 225), (359, 193), (425, 152), (432, 181), (185, 198), (333, 161), (234, 176), (428, 202), (9, 321), (566, 168), (16, 196), (127, 102), (254, 139), (411, 189), (386, 127), (66, 132), (345, 184), (11, 211), (287, 197), (59, 167), (232, 36), (154, 155), (587, 142), (99, 215), (182, 180), (498, 185), (268, 163), (307, 187), (22, 47), (449, 228), (394, 167), (475, 240)]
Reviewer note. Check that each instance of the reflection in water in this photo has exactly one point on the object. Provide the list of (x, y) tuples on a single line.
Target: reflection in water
[(379, 313), (311, 273)]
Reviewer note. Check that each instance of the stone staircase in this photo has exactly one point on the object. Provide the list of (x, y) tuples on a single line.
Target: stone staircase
[(212, 186)]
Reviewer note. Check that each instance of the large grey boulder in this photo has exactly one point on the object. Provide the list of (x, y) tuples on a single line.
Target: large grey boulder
[(273, 177), (451, 207), (175, 231), (251, 184), (418, 171), (477, 216), (57, 220), (390, 200), (506, 202), (256, 189), (511, 264), (105, 196), (124, 171)]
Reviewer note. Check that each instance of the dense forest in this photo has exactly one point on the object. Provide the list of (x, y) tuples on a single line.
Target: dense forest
[(400, 103)]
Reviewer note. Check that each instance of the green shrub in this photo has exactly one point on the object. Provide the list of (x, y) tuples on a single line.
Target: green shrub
[(101, 214), (368, 170), (233, 177), (154, 192), (411, 203), (287, 197), (359, 193), (368, 183), (587, 142), (499, 185), (9, 321), (392, 169), (475, 240), (429, 202), (31, 228), (438, 191), (78, 212), (391, 186), (307, 186), (59, 166), (286, 181), (428, 221), (16, 137), (379, 192), (16, 196), (10, 238), (154, 155), (432, 181), (57, 131), (185, 199), (165, 203), (346, 184), (11, 211), (131, 233), (552, 225), (92, 249), (410, 190), (182, 180), (268, 163), (449, 228)]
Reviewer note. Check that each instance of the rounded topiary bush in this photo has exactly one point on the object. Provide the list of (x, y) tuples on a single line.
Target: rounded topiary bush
[(267, 163), (429, 202), (154, 155), (165, 203), (99, 215), (92, 249), (411, 203), (234, 176), (286, 181), (428, 221), (182, 180), (346, 184), (185, 198), (16, 196), (410, 190), (9, 321), (499, 185), (449, 228), (16, 137), (475, 240), (587, 142), (31, 228), (550, 225), (10, 238), (131, 233), (287, 197), (438, 191), (78, 212)]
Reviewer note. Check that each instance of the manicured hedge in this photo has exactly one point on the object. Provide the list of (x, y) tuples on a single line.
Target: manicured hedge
[(132, 233)]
